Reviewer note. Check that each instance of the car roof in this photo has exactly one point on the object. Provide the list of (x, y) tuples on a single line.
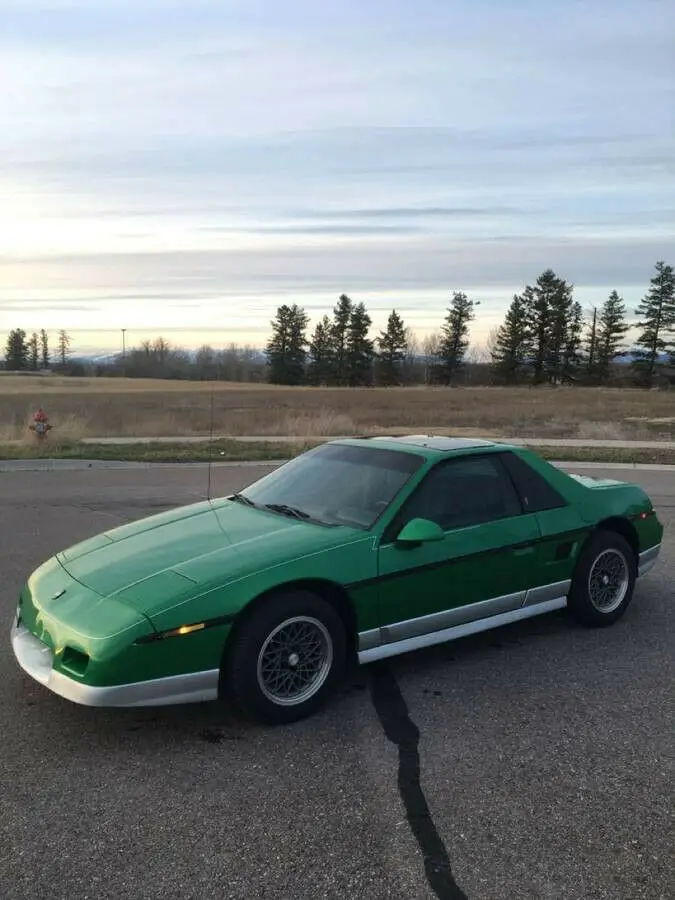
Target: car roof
[(430, 443)]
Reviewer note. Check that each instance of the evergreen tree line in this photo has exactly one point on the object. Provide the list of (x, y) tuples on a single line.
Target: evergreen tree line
[(544, 338), (33, 353), (341, 353)]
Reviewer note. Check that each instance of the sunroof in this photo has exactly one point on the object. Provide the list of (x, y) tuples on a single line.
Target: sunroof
[(438, 442)]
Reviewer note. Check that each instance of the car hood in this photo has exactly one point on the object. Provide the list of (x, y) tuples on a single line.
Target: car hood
[(184, 548)]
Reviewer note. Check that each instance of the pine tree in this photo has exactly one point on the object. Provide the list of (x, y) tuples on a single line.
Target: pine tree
[(513, 342), (539, 315), (591, 346), (360, 349), (321, 356), (16, 350), (562, 320), (611, 331), (287, 348), (455, 336), (63, 347), (34, 352), (393, 345), (339, 336), (554, 323), (571, 356), (44, 349), (657, 321)]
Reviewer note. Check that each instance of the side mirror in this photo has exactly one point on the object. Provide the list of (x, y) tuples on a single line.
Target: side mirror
[(419, 531)]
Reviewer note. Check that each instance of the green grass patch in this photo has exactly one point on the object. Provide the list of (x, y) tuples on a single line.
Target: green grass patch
[(218, 451), (630, 456)]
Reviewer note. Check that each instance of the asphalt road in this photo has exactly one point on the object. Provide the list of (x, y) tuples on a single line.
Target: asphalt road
[(531, 762)]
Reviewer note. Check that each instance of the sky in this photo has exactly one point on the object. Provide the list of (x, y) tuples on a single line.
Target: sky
[(185, 168)]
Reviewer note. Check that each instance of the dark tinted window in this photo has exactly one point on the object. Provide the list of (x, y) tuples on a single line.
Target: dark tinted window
[(464, 492), (536, 492)]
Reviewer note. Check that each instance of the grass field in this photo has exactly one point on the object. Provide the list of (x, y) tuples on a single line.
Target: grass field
[(90, 408)]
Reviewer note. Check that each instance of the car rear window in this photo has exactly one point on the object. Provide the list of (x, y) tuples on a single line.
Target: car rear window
[(537, 494)]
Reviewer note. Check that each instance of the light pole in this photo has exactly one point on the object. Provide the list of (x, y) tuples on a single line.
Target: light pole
[(124, 353)]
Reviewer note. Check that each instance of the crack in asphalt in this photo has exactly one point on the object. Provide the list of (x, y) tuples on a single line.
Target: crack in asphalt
[(399, 728)]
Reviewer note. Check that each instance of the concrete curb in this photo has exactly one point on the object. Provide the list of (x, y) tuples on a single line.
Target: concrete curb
[(75, 465), (644, 467), (300, 439)]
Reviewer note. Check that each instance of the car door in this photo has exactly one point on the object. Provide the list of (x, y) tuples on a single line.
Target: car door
[(484, 564)]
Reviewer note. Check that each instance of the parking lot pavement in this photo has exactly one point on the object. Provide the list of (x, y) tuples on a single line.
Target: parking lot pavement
[(535, 761)]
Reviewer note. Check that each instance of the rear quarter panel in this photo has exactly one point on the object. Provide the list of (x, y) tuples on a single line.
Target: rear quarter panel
[(608, 499), (590, 501)]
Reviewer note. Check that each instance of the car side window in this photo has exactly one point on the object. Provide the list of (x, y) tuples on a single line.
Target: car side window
[(538, 495), (463, 492)]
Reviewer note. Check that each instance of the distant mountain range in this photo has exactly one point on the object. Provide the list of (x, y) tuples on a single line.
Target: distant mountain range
[(103, 359)]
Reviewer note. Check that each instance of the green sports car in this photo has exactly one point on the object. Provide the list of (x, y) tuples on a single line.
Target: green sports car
[(359, 549)]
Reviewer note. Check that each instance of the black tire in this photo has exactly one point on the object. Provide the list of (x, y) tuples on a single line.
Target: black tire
[(250, 664), (606, 556)]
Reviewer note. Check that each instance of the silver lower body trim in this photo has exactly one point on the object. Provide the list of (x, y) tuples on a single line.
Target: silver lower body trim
[(35, 658), (461, 615), (647, 559), (459, 631), (547, 592), (448, 618)]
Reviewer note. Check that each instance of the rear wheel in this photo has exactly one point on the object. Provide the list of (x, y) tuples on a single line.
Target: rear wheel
[(285, 658), (604, 580)]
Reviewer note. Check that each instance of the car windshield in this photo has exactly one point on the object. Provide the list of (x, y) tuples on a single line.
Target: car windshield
[(337, 484)]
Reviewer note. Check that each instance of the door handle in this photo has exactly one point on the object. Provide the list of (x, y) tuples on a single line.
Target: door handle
[(523, 551)]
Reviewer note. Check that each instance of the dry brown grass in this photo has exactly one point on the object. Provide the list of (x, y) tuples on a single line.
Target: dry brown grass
[(143, 408)]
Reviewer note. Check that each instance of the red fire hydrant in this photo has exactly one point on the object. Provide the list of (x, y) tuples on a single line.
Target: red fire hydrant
[(41, 424)]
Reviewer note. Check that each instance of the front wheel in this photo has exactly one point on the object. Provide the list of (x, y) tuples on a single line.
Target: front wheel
[(285, 658), (604, 580)]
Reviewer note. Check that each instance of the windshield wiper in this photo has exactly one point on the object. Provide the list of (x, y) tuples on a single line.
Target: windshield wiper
[(242, 498), (286, 510)]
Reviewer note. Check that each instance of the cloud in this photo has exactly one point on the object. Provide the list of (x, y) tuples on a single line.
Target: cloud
[(408, 212), (424, 263), (335, 230), (29, 305)]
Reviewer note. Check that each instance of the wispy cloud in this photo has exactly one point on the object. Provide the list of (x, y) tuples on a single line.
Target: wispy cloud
[(336, 230), (408, 212)]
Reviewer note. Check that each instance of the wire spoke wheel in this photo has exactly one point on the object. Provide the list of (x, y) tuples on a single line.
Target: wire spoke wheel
[(295, 660), (608, 581)]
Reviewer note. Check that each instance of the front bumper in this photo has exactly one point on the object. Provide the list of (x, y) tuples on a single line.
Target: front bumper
[(36, 659), (647, 559)]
